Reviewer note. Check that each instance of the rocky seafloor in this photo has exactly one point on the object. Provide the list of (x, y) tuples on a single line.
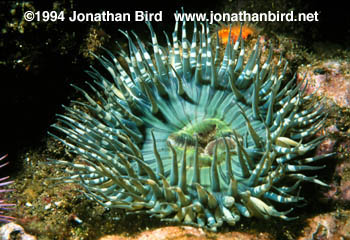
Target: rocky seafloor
[(40, 60)]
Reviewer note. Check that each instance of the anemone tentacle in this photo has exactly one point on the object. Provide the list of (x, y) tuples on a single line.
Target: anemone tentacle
[(3, 204), (187, 136)]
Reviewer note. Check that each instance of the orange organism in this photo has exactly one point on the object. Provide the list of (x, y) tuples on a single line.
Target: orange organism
[(224, 32)]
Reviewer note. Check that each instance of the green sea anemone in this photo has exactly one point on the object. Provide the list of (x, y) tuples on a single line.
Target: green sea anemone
[(188, 136)]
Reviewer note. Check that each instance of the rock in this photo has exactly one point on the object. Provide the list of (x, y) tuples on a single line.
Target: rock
[(8, 229), (327, 226), (189, 233), (328, 78)]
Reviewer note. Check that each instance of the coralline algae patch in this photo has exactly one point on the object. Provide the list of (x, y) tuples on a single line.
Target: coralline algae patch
[(327, 226), (188, 233), (339, 192), (328, 78), (337, 140)]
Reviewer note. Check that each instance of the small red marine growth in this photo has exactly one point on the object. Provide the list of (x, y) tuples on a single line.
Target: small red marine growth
[(224, 32)]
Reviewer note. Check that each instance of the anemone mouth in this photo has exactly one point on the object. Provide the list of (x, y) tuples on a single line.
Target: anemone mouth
[(204, 137), (187, 136)]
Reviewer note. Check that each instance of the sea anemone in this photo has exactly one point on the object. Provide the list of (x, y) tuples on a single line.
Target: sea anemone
[(187, 136), (3, 204)]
